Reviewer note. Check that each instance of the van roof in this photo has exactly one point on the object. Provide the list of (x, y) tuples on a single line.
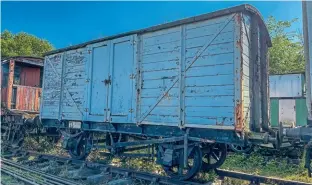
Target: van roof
[(231, 10)]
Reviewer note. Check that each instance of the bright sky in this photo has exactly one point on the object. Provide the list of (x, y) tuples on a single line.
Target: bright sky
[(70, 23)]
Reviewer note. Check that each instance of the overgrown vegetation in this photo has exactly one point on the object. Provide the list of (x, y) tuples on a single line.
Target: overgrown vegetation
[(257, 164), (253, 164), (23, 44), (6, 179), (45, 145), (132, 163), (286, 54)]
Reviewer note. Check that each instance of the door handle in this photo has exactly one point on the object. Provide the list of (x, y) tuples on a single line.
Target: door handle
[(107, 81)]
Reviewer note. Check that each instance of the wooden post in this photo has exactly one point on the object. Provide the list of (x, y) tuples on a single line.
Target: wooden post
[(10, 83), (264, 87), (256, 75)]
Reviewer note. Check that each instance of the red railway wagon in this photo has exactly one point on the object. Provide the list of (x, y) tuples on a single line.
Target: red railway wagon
[(21, 81)]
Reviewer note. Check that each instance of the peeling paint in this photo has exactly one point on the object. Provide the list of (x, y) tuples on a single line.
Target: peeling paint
[(28, 98), (194, 72), (239, 118), (22, 91)]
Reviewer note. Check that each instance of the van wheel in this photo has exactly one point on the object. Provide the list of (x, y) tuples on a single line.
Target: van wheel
[(215, 156), (80, 151), (192, 168)]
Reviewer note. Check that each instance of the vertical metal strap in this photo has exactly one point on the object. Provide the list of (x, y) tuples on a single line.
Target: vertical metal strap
[(255, 74), (88, 86), (238, 73), (62, 87), (264, 82), (138, 77), (42, 90), (134, 79), (182, 78)]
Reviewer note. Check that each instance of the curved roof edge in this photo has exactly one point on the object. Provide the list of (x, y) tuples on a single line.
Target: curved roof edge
[(218, 13), (36, 61), (21, 56)]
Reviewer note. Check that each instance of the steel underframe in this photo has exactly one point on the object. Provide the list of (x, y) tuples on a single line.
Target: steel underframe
[(203, 135), (168, 134), (150, 142)]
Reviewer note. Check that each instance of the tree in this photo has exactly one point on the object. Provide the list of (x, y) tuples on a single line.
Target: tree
[(23, 44), (286, 54)]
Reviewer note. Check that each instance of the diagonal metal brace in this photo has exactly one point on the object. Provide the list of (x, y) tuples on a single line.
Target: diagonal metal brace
[(198, 54), (58, 76)]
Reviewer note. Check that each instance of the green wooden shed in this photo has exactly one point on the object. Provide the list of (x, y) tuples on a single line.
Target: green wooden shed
[(287, 99)]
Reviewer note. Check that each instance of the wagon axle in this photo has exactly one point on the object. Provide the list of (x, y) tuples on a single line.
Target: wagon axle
[(170, 152)]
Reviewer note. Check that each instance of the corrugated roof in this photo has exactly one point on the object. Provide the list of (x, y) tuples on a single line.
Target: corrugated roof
[(240, 8), (38, 61)]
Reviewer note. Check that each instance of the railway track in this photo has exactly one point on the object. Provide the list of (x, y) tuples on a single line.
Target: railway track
[(31, 176), (256, 179), (86, 170)]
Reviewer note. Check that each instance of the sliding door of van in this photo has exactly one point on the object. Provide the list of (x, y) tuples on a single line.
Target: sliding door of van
[(122, 53), (99, 82)]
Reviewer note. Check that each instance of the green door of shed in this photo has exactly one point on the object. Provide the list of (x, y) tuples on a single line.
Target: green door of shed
[(274, 112), (301, 112)]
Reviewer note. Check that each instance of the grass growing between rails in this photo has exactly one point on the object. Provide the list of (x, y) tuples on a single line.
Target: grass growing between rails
[(45, 145), (6, 179), (140, 164), (257, 164), (251, 164)]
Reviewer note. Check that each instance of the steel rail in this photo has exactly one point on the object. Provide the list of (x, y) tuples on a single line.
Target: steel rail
[(43, 181), (19, 177), (121, 171), (166, 180), (54, 179), (257, 179), (27, 178)]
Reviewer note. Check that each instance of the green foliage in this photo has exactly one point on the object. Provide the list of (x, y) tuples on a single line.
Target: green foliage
[(23, 44), (286, 54), (232, 181), (257, 164), (6, 179)]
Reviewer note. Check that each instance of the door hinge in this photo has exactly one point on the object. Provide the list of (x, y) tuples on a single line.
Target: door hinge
[(131, 110)]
